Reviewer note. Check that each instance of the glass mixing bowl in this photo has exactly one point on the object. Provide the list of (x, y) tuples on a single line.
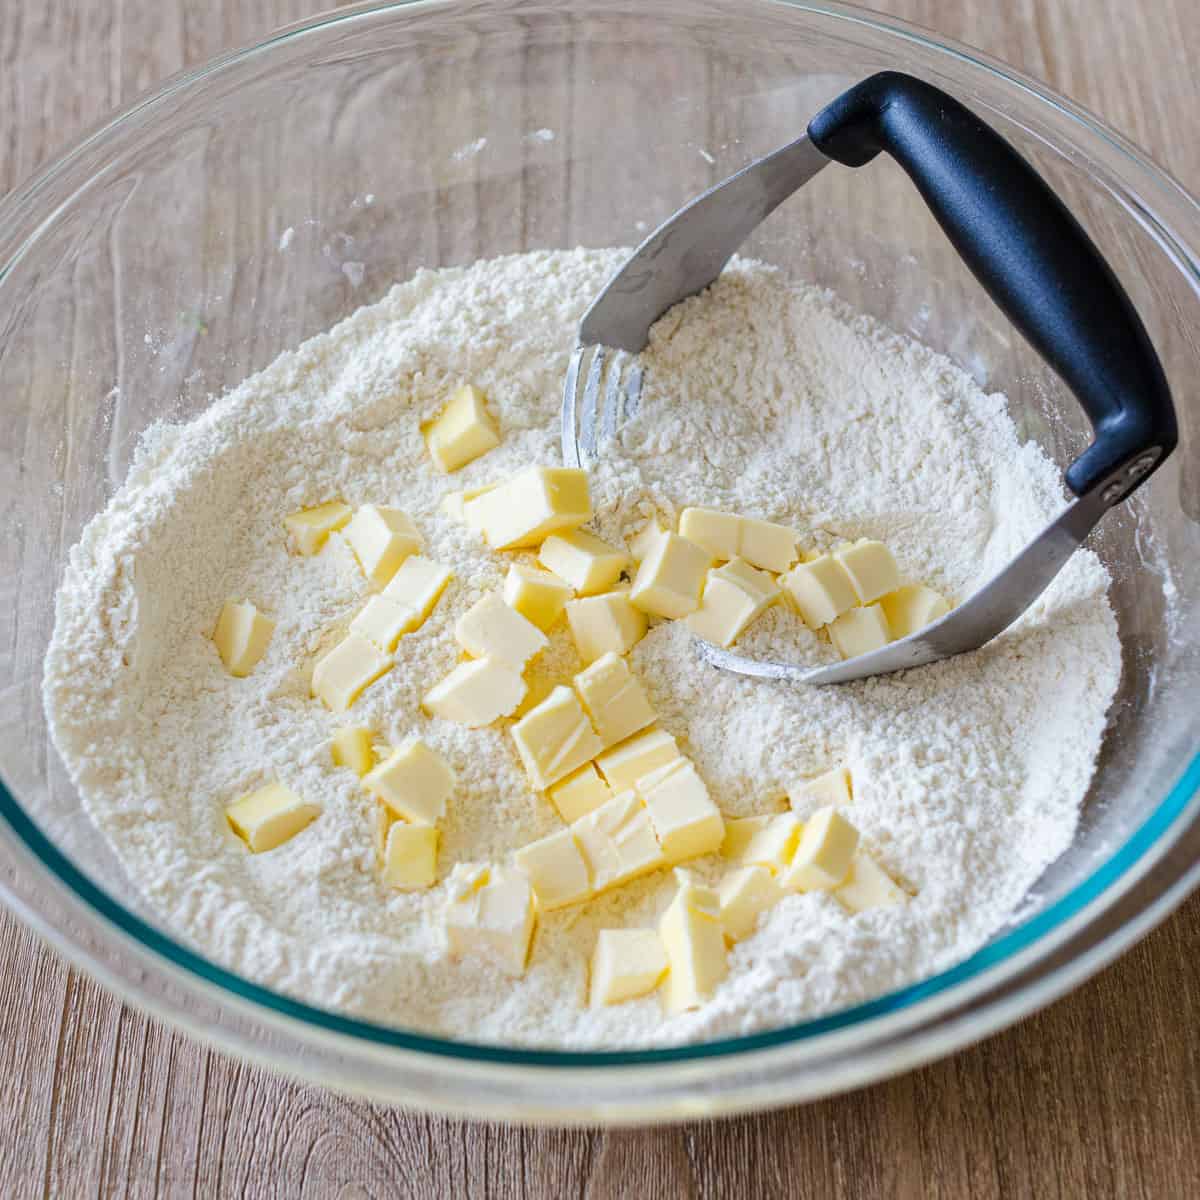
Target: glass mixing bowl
[(259, 199)]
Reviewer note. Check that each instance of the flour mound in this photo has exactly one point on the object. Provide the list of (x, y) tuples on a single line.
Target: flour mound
[(762, 397)]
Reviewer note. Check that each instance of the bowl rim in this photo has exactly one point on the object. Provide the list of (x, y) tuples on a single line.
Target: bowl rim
[(1002, 959)]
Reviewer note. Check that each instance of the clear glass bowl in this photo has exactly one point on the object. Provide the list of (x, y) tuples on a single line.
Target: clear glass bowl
[(152, 266)]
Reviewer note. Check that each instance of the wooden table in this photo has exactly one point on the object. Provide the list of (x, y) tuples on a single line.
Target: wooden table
[(1098, 1096)]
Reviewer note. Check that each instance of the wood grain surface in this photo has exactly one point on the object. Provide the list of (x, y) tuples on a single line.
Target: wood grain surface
[(1097, 1096)]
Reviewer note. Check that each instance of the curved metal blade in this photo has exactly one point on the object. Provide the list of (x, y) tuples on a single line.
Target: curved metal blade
[(689, 249), (973, 623)]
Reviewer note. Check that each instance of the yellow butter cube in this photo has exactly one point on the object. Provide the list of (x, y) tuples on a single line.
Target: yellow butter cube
[(454, 504), (694, 939), (744, 895), (605, 623), (726, 536), (910, 609), (819, 590), (410, 856), (643, 541), (476, 693), (580, 793), (241, 637), (762, 841), (310, 527), (868, 885), (537, 595), (537, 688), (586, 562), (418, 585), (462, 432), (491, 629), (414, 781), (352, 665), (860, 631), (525, 510), (381, 538), (733, 596), (384, 622), (555, 738), (352, 748), (617, 840), (831, 788), (767, 545), (670, 578), (556, 869), (871, 568), (270, 816), (717, 532), (686, 821), (624, 765), (822, 858), (626, 963), (491, 916), (614, 699)]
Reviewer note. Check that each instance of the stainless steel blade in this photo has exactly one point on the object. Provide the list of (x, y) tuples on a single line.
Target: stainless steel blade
[(977, 620), (688, 250)]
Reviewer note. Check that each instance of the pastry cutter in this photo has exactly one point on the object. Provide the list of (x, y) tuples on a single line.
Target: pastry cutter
[(1032, 257)]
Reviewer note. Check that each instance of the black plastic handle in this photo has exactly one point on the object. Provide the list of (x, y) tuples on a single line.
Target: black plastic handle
[(1032, 257)]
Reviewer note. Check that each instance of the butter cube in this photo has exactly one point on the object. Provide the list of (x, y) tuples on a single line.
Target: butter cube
[(860, 630), (587, 563), (241, 637), (733, 596), (831, 788), (270, 816), (414, 781), (351, 666), (868, 885), (524, 510), (822, 858), (686, 821), (767, 545), (352, 748), (605, 623), (694, 939), (614, 699), (310, 527), (384, 622), (491, 915), (871, 568), (556, 869), (418, 585), (476, 693), (580, 793), (555, 738), (382, 821), (454, 504), (381, 538), (643, 541), (462, 432), (909, 609), (537, 595), (762, 841), (820, 590), (725, 536), (410, 856), (717, 532), (670, 578), (490, 629), (618, 842), (625, 764), (625, 964), (744, 895)]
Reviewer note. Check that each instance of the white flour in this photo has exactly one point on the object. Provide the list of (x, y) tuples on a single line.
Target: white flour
[(761, 398)]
